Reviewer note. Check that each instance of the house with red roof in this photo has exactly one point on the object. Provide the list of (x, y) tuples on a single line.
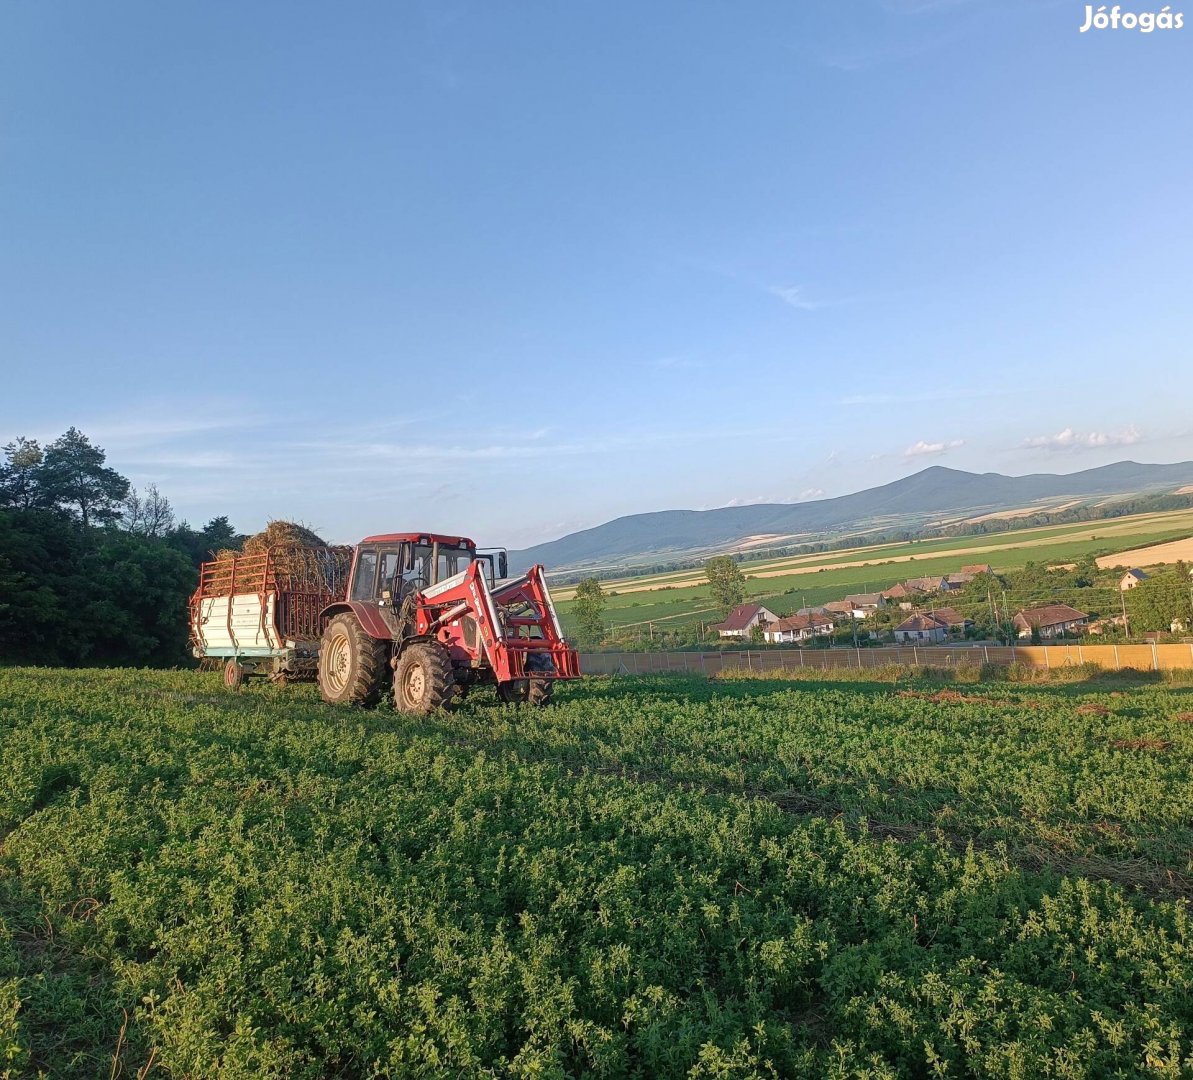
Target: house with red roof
[(1051, 620), (742, 620)]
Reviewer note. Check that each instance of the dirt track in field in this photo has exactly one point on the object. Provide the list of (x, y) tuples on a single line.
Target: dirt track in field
[(1174, 551)]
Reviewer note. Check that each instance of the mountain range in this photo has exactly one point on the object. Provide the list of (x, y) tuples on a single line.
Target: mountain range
[(912, 500)]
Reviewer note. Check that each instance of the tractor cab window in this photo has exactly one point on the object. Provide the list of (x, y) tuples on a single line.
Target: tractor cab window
[(391, 565), (420, 572), (452, 561), (364, 581)]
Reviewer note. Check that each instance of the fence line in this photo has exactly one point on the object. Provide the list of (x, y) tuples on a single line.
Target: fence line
[(1150, 657)]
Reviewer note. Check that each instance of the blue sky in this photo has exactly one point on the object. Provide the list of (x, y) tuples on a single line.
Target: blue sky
[(516, 269)]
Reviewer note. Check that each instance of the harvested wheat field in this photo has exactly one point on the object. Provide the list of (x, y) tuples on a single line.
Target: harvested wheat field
[(1174, 551)]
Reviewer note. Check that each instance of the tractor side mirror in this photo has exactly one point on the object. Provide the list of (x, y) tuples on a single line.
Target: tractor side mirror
[(503, 569)]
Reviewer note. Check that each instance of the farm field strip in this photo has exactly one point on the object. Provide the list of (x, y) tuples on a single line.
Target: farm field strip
[(833, 583), (1172, 522), (657, 877)]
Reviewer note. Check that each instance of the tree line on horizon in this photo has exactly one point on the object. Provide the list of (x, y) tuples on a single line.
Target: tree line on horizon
[(93, 571)]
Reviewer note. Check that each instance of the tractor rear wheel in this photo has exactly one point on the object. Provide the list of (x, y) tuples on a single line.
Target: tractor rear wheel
[(351, 663), (424, 680)]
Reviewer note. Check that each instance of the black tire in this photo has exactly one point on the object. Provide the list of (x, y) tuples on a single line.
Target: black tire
[(234, 675), (514, 692), (351, 663), (424, 680), (540, 691)]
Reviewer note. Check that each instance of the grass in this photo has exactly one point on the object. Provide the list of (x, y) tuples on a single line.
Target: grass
[(657, 877), (684, 604)]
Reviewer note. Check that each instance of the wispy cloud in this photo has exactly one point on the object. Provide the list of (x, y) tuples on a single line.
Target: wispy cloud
[(794, 296), (924, 448), (1083, 440), (810, 493)]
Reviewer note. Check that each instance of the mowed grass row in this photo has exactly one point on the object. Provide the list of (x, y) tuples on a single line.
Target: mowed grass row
[(683, 604), (657, 877)]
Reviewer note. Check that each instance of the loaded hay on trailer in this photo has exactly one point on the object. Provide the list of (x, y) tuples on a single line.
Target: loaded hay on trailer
[(301, 560)]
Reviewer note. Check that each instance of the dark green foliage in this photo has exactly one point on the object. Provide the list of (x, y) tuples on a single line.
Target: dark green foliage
[(656, 878), (1165, 598), (108, 597), (101, 594), (217, 535)]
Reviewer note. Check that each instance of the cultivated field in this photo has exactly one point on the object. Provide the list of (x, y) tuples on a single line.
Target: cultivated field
[(658, 877), (682, 597), (1176, 551)]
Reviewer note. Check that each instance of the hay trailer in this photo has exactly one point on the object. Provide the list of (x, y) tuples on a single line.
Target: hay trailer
[(261, 613)]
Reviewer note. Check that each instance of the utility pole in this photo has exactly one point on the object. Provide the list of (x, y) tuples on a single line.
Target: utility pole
[(1122, 595)]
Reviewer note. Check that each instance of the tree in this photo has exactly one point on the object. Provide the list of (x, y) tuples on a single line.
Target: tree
[(73, 476), (20, 476), (149, 514), (588, 608), (217, 535), (1159, 602), (726, 582)]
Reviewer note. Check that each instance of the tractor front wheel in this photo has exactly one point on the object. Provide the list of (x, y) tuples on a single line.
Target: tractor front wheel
[(424, 680), (514, 692), (351, 663)]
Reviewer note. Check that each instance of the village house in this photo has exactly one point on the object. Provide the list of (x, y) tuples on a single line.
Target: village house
[(1052, 621), (1130, 579), (797, 629), (921, 630), (953, 582), (926, 584), (903, 596), (842, 608), (978, 568), (742, 620), (864, 604), (954, 620)]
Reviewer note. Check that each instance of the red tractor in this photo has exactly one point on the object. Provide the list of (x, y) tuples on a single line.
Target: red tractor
[(428, 614), (440, 618)]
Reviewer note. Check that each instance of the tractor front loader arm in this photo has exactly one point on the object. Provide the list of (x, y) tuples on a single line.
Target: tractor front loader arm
[(517, 625)]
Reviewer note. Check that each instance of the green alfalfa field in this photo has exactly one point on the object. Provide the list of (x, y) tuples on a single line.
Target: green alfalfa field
[(652, 878)]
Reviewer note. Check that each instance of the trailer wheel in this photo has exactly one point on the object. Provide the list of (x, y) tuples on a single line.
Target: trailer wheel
[(351, 663), (540, 691), (424, 680), (234, 675)]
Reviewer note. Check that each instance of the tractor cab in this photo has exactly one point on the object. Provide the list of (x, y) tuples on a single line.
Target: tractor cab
[(386, 569)]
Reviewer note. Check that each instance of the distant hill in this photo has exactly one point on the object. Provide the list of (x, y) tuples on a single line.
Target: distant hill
[(926, 494)]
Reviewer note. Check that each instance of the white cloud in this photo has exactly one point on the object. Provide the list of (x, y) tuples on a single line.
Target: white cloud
[(793, 296), (1083, 440), (810, 493), (924, 448)]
